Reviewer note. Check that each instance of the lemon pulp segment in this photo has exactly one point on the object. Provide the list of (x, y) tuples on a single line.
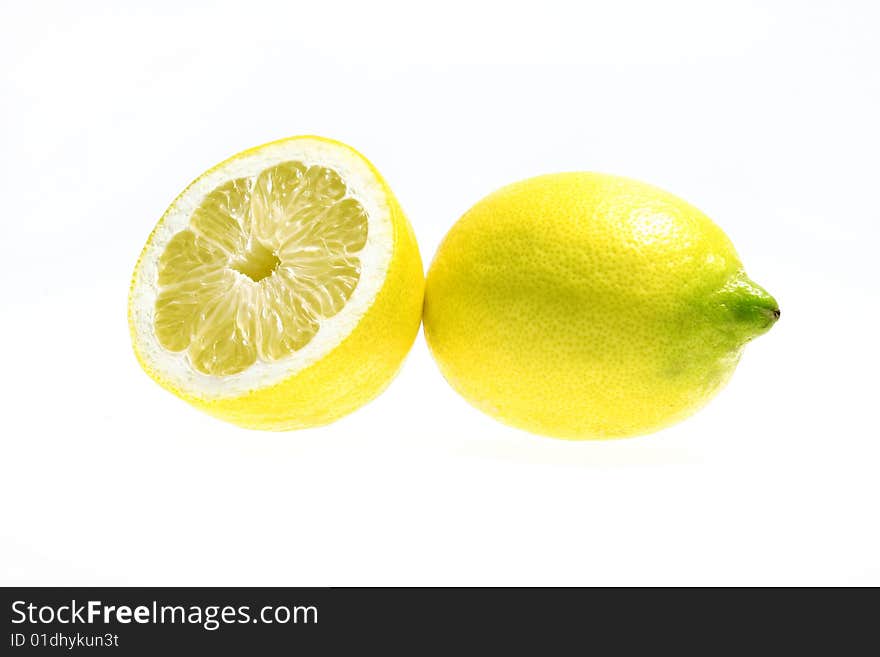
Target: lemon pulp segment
[(263, 260)]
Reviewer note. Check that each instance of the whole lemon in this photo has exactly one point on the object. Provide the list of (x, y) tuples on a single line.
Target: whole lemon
[(583, 305)]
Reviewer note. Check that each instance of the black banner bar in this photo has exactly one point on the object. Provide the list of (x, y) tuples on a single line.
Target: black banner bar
[(313, 621)]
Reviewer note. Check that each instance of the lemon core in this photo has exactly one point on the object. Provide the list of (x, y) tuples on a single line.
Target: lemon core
[(257, 263)]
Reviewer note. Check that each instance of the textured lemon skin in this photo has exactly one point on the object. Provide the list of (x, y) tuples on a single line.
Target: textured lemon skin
[(583, 305), (355, 371)]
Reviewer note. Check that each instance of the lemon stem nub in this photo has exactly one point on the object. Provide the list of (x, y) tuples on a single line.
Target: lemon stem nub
[(744, 308), (257, 263)]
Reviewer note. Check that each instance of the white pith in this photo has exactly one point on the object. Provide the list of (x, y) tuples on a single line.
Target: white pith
[(174, 367)]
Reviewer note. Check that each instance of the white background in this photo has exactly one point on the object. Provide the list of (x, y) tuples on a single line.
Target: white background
[(763, 114)]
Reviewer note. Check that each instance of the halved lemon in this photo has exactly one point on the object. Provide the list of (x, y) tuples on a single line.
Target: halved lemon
[(282, 289)]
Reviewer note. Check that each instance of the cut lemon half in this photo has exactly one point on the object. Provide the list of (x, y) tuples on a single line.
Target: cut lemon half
[(281, 290)]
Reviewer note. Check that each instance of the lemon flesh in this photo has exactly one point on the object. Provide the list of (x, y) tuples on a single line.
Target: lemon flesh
[(281, 290), (584, 305), (262, 262)]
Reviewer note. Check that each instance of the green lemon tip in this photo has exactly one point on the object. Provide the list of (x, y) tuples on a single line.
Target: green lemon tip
[(744, 309)]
